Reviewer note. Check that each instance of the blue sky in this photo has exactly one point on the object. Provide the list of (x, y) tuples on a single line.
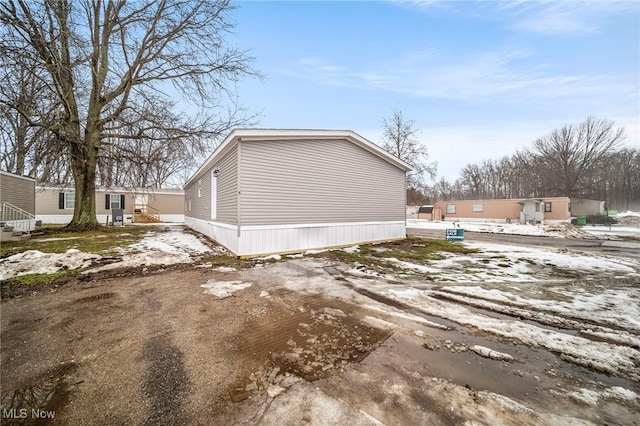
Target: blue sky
[(480, 79)]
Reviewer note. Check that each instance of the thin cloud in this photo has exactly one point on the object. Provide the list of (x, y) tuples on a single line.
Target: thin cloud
[(543, 17), (502, 76)]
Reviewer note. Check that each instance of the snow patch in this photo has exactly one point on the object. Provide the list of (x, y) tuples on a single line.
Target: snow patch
[(490, 353), (223, 289), (271, 257), (37, 262), (352, 249)]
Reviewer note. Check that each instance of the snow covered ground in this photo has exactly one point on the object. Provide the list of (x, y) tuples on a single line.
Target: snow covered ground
[(522, 305), (556, 230), (167, 246)]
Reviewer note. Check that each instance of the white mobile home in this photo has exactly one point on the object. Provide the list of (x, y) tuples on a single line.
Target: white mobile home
[(276, 191)]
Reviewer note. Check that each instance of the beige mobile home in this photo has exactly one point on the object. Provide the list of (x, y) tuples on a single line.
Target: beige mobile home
[(274, 191), (55, 205), (523, 210), (17, 201)]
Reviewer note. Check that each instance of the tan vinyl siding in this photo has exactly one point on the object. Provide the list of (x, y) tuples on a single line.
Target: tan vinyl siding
[(18, 191), (317, 181), (166, 203), (502, 209), (47, 200), (226, 191)]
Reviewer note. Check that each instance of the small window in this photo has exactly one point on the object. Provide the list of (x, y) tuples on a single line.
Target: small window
[(477, 208), (451, 208), (70, 201), (115, 201), (547, 207), (200, 188)]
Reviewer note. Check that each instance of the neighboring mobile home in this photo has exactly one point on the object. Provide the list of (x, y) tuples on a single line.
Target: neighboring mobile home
[(55, 205), (545, 210), (275, 191), (17, 201)]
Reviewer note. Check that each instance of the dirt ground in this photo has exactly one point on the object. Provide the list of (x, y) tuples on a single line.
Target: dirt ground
[(297, 343)]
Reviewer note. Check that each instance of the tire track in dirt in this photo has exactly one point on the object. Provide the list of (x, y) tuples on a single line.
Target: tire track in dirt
[(551, 320), (166, 382)]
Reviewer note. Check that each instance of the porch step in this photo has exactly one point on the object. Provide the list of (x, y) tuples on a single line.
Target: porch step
[(7, 233), (145, 218)]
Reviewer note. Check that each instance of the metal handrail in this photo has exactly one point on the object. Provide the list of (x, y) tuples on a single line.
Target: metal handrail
[(18, 218)]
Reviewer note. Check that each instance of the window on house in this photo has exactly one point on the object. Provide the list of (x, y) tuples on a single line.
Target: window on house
[(451, 208), (477, 208), (70, 201), (113, 201), (547, 207), (200, 188), (67, 201)]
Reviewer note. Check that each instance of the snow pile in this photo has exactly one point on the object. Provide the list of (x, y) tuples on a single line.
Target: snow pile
[(591, 397), (175, 242), (37, 262), (628, 218), (156, 248), (565, 230), (628, 213)]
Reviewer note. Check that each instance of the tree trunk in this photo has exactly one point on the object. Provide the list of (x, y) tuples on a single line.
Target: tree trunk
[(84, 155), (84, 173)]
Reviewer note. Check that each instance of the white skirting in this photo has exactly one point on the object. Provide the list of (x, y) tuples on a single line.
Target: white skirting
[(172, 218), (221, 232), (258, 240), (63, 219)]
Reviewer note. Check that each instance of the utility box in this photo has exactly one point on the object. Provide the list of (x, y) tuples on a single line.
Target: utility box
[(117, 216), (454, 234), (581, 221)]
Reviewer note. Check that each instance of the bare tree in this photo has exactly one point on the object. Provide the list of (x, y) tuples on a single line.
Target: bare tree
[(27, 149), (400, 138), (106, 62), (578, 161), (568, 156)]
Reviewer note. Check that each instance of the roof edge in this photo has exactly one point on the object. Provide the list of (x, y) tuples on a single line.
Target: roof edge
[(288, 134)]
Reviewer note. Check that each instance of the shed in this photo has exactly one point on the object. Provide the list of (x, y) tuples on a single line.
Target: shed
[(430, 212), (276, 191)]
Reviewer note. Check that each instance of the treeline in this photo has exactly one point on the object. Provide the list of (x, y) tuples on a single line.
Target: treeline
[(579, 161)]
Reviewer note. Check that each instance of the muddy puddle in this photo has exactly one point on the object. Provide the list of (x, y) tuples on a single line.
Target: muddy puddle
[(308, 342), (41, 401)]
